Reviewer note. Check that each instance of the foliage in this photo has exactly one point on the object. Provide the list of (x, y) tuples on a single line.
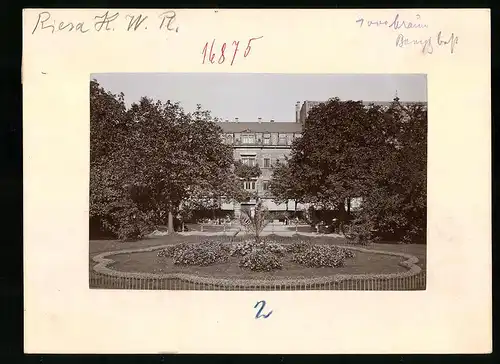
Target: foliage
[(142, 159), (375, 153), (349, 254), (321, 256), (275, 248), (283, 186), (242, 248), (245, 171), (396, 203), (361, 231), (255, 221), (261, 259), (257, 256), (199, 254), (298, 246), (170, 250), (127, 220)]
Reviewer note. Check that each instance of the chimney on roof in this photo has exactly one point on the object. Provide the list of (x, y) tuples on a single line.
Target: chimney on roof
[(236, 119), (297, 112), (260, 120)]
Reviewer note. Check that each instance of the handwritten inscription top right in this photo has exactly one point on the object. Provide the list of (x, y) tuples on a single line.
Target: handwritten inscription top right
[(425, 42)]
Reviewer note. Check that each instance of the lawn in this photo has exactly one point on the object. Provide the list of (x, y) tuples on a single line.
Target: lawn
[(363, 263), (211, 228)]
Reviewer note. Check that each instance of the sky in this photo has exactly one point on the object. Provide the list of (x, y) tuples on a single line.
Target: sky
[(249, 96)]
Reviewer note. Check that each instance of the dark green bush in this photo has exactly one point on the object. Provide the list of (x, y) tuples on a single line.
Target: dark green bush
[(298, 246), (274, 247), (200, 254), (261, 259), (349, 253), (127, 222), (361, 233), (320, 256), (242, 248)]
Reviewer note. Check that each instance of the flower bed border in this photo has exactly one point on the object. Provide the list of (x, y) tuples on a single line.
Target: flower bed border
[(103, 262)]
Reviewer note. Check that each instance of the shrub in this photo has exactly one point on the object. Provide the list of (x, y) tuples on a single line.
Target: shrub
[(320, 256), (241, 248), (298, 246), (361, 233), (261, 260), (169, 251), (274, 247), (201, 254), (126, 221), (349, 253)]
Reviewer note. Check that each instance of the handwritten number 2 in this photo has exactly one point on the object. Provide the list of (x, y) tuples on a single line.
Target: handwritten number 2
[(259, 312)]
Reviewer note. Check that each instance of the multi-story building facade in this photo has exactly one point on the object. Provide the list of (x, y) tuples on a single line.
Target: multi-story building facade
[(264, 143)]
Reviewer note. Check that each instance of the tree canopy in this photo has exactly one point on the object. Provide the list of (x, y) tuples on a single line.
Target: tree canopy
[(349, 150), (148, 159)]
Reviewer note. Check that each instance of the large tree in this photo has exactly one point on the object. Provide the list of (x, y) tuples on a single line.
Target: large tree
[(111, 205), (350, 150), (330, 163), (396, 204), (164, 157)]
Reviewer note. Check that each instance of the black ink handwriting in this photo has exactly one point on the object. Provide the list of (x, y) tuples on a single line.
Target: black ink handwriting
[(104, 21), (452, 41), (428, 43), (394, 24), (167, 21), (45, 21), (427, 48), (135, 22)]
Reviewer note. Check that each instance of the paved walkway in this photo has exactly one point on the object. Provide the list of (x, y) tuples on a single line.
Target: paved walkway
[(269, 229)]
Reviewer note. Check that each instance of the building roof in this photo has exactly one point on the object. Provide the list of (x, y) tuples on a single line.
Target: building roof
[(388, 103), (379, 103), (263, 127)]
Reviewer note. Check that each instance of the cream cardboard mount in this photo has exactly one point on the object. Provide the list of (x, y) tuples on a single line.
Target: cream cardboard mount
[(62, 48)]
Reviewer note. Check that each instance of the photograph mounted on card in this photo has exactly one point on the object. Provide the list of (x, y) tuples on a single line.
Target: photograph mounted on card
[(287, 195), (209, 180)]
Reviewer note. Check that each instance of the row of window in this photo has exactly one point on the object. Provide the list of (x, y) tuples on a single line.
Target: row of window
[(250, 185), (251, 161), (266, 139)]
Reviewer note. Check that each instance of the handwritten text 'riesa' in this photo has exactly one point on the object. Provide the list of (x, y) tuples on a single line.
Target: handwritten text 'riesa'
[(226, 52), (107, 22)]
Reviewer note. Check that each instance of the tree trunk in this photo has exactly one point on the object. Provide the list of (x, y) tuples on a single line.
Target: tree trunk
[(342, 217), (170, 222)]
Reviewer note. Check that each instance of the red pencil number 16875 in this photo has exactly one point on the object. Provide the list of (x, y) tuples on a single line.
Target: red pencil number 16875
[(208, 54)]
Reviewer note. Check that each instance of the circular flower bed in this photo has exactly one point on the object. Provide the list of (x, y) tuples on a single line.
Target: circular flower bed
[(264, 255)]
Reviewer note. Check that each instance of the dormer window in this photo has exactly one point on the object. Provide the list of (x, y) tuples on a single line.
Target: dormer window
[(248, 139)]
